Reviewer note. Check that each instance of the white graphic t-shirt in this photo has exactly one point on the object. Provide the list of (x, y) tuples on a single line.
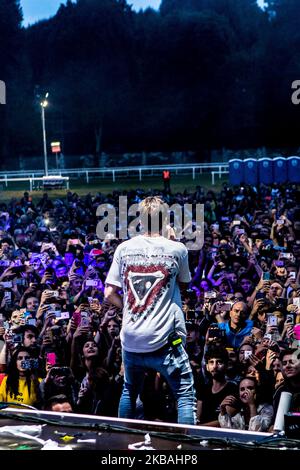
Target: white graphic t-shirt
[(147, 269)]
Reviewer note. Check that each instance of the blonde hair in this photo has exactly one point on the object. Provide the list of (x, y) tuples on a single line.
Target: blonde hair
[(151, 205), (150, 209)]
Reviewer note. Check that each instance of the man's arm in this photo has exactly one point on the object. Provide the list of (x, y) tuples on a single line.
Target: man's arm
[(213, 424), (199, 410), (111, 294)]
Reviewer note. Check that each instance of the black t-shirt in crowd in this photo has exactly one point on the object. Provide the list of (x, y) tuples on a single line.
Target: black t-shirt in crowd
[(211, 401)]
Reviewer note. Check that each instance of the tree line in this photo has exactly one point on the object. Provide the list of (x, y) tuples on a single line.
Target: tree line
[(196, 75)]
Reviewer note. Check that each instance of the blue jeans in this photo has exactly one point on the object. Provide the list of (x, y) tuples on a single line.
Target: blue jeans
[(174, 365)]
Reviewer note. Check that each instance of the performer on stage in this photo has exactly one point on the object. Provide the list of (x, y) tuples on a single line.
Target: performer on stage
[(150, 269)]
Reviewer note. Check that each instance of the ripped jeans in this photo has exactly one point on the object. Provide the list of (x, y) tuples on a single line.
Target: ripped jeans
[(173, 364)]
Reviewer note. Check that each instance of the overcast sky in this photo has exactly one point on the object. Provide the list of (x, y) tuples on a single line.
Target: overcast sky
[(35, 10)]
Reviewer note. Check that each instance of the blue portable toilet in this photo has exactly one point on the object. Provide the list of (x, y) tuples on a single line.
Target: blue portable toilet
[(236, 171), (280, 170), (265, 170), (251, 171), (293, 169)]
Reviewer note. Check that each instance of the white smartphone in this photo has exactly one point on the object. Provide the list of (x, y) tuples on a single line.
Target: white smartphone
[(247, 354), (272, 320)]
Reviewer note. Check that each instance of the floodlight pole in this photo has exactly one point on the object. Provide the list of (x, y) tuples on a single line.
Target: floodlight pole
[(44, 104)]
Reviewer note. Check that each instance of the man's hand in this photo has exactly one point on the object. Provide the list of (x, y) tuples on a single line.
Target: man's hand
[(95, 306), (228, 405), (249, 396), (81, 331), (41, 310), (46, 277), (270, 358), (257, 333)]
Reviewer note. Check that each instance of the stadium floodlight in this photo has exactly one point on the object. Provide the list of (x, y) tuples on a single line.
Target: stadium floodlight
[(44, 105)]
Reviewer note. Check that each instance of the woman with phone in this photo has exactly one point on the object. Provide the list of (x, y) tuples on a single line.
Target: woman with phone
[(21, 384), (59, 381)]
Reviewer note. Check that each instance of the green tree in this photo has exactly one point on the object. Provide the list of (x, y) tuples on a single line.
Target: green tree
[(281, 67), (10, 60)]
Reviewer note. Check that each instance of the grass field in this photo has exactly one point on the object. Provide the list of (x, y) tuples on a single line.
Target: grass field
[(106, 186)]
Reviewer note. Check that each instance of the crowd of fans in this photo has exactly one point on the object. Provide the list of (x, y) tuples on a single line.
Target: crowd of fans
[(59, 337)]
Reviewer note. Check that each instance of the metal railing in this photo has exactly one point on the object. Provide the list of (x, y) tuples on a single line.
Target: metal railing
[(220, 173), (32, 179), (219, 168)]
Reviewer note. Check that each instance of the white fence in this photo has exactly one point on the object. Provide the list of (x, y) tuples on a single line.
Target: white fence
[(47, 182), (219, 168)]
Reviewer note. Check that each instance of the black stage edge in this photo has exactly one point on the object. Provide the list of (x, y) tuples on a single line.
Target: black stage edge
[(171, 444), (118, 433)]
